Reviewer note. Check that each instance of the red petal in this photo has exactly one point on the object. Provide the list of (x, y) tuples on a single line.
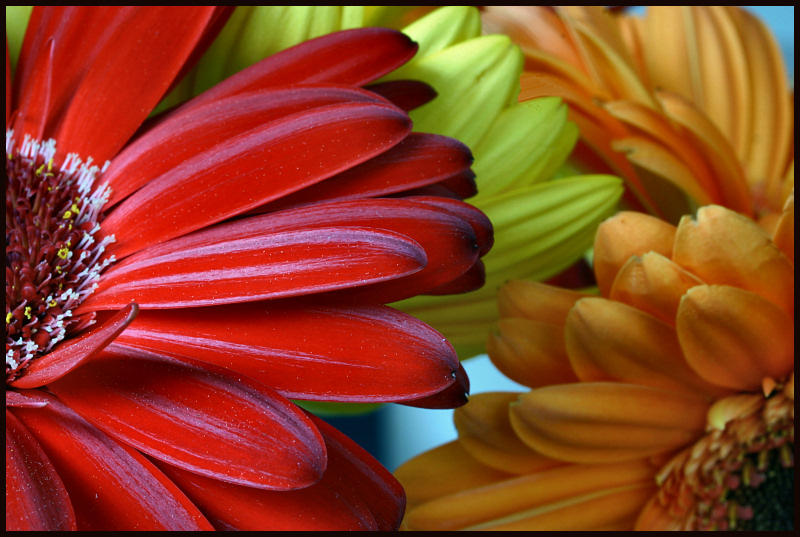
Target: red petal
[(213, 27), (305, 351), (270, 265), (407, 94), (127, 77), (472, 279), (355, 493), (199, 130), (199, 418), (480, 223), (256, 167), (420, 159), (111, 486), (71, 353), (25, 399), (35, 495), (463, 184), (351, 57), (451, 397)]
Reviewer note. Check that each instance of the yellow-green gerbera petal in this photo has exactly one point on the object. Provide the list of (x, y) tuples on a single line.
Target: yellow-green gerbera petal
[(540, 230), (16, 23)]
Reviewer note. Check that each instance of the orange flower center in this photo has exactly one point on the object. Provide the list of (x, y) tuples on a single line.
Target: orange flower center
[(740, 477), (53, 257)]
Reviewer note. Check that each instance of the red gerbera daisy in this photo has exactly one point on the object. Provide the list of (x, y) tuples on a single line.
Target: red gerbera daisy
[(258, 230)]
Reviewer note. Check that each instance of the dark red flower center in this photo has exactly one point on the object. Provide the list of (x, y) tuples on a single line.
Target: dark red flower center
[(53, 257)]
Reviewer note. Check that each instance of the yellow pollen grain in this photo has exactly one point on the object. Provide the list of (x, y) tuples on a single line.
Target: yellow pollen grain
[(40, 169), (58, 269), (75, 209), (63, 252), (50, 165), (9, 317), (27, 312), (67, 214), (52, 304)]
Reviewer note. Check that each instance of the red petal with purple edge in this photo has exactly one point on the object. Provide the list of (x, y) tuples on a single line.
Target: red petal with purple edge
[(186, 134), (480, 223), (463, 184), (254, 168), (35, 495), (200, 418), (305, 351), (272, 265), (71, 353), (419, 160), (472, 279), (355, 493), (407, 94), (350, 57), (452, 397), (128, 77), (111, 486)]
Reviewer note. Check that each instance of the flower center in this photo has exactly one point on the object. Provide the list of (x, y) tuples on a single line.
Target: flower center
[(52, 256), (737, 478)]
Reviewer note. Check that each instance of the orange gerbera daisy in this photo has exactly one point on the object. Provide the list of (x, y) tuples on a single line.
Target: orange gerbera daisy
[(667, 402), (693, 97)]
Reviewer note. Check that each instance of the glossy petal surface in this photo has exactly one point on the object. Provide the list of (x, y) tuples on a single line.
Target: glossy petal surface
[(266, 162), (70, 354), (111, 485), (36, 499), (268, 265), (360, 353), (202, 420)]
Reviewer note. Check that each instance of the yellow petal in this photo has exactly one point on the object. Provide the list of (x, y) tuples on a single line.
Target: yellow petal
[(666, 50), (536, 301), (611, 341), (653, 284), (784, 232), (606, 421), (624, 235), (734, 338), (530, 352), (543, 491), (444, 470), (723, 247), (485, 433)]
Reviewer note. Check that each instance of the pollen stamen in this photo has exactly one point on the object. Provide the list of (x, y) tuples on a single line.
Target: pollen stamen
[(53, 247)]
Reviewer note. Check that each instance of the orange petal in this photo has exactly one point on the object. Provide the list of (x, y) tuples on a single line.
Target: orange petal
[(784, 232), (653, 284), (541, 492), (656, 517), (614, 509), (656, 127), (624, 235), (441, 471), (608, 340), (664, 176), (665, 49), (530, 352), (485, 433), (734, 338), (728, 173), (725, 247), (606, 421), (536, 301)]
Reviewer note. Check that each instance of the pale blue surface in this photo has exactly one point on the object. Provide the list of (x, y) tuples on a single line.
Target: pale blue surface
[(410, 431)]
